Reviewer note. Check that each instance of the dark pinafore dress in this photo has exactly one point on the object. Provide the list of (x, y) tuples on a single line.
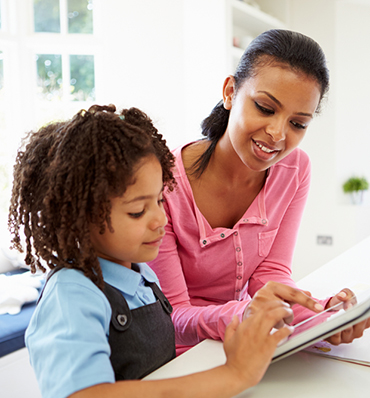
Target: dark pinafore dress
[(142, 339)]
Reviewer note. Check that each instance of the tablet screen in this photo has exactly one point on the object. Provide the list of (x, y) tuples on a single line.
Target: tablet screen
[(325, 324), (323, 317)]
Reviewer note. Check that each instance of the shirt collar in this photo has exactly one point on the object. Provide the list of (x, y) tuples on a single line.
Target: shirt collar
[(123, 278)]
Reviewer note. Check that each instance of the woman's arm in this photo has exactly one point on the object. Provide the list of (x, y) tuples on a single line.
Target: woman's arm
[(249, 347), (194, 323)]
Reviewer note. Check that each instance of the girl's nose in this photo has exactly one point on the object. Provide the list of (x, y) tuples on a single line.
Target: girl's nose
[(159, 219)]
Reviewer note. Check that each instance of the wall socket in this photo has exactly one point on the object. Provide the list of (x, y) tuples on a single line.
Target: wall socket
[(324, 240)]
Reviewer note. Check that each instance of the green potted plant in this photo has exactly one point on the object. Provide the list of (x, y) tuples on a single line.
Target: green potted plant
[(356, 187)]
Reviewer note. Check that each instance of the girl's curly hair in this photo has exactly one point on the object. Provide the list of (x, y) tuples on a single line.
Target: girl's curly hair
[(65, 177)]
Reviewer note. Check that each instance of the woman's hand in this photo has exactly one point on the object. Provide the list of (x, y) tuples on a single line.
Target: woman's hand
[(347, 298), (249, 346), (275, 291)]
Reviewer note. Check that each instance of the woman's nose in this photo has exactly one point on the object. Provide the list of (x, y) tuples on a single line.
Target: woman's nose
[(276, 132)]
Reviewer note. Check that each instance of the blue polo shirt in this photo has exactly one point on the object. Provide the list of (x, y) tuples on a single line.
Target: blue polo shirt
[(67, 337)]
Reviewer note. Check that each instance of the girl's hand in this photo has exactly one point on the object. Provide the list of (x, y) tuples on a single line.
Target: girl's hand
[(275, 291), (347, 298), (249, 346)]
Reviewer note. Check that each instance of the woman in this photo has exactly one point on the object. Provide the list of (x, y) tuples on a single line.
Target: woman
[(234, 217)]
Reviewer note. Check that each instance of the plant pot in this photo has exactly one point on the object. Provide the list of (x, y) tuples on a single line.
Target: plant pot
[(357, 197)]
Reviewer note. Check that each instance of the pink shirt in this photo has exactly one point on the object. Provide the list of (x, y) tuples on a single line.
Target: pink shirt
[(208, 274)]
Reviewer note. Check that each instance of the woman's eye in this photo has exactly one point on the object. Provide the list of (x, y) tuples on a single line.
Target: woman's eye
[(136, 215), (264, 110), (161, 201), (298, 125)]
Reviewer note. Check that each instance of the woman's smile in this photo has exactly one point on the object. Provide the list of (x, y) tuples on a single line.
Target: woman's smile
[(263, 150)]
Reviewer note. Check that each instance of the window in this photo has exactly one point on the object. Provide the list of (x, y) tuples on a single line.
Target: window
[(46, 16), (64, 76), (47, 70), (52, 15), (80, 16), (49, 76), (82, 81)]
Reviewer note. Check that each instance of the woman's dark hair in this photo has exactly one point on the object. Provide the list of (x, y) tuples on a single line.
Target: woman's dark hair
[(65, 177), (276, 46)]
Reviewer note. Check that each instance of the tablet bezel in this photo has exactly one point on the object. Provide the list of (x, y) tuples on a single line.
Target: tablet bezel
[(353, 315)]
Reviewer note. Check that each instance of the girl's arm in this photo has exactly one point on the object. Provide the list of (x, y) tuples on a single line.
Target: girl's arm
[(249, 347)]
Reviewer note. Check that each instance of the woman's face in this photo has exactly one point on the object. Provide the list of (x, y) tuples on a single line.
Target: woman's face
[(269, 114)]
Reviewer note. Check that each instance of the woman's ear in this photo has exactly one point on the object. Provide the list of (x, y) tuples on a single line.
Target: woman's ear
[(228, 92)]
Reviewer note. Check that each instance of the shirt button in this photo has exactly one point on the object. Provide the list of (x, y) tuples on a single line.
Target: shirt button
[(239, 277), (236, 233), (237, 290), (238, 249), (240, 263), (204, 242), (264, 221), (222, 235)]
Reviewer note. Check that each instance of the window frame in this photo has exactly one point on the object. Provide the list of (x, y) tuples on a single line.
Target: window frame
[(22, 108)]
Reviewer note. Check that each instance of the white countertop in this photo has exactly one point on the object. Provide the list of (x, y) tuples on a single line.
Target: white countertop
[(302, 374)]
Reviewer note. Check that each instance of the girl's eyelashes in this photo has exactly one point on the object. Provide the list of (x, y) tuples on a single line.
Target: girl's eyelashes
[(264, 110), (136, 215)]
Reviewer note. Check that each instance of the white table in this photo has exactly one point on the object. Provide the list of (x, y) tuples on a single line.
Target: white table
[(302, 374)]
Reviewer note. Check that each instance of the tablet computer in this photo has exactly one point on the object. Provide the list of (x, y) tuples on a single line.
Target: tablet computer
[(325, 324)]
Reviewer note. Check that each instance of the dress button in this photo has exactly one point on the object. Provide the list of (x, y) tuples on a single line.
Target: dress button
[(264, 221), (122, 319), (239, 277), (240, 263), (236, 233), (238, 249), (237, 290), (204, 242), (222, 235)]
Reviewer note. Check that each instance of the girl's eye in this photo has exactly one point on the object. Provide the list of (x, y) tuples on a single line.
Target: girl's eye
[(298, 125), (264, 110), (136, 215), (161, 201)]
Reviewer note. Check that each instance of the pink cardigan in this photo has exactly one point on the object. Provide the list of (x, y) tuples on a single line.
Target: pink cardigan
[(208, 274)]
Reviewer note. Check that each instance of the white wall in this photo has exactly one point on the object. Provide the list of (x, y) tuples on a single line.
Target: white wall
[(169, 58), (337, 141), (166, 57), (142, 59)]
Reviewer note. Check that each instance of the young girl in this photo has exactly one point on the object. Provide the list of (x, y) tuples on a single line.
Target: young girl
[(88, 194)]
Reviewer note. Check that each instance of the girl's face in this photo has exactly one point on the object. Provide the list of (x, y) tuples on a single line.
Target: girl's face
[(269, 114), (138, 219)]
